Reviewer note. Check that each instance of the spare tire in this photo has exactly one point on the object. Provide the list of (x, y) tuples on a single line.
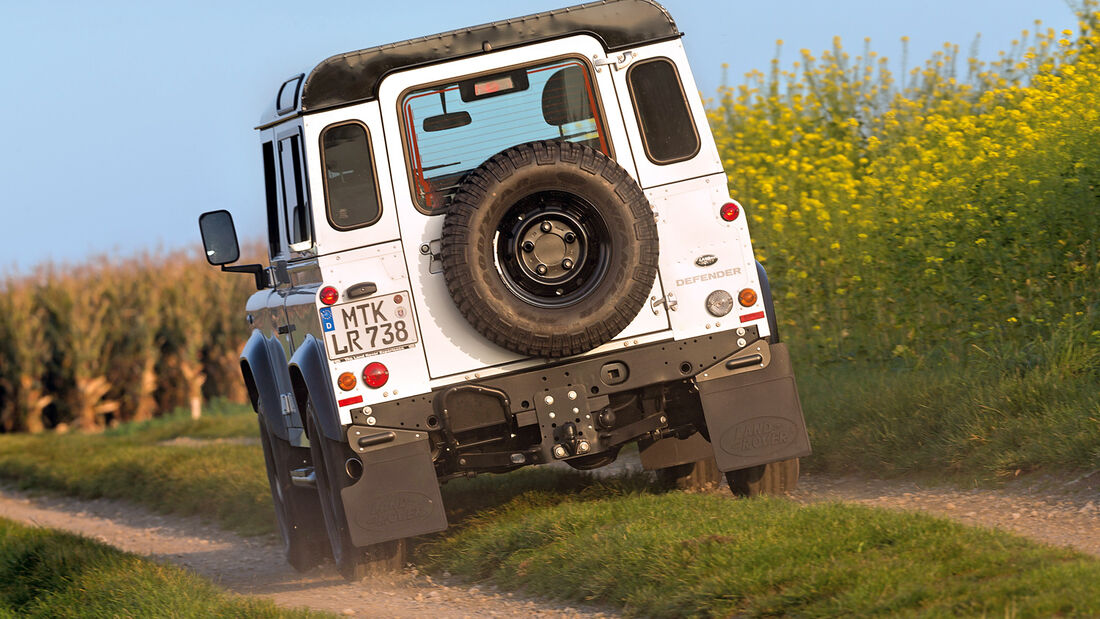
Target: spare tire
[(549, 248)]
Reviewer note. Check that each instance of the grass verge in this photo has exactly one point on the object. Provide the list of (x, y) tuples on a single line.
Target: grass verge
[(698, 555), (45, 573), (993, 416), (223, 481)]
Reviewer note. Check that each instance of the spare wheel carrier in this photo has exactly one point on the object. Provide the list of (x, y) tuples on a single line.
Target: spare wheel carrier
[(549, 248)]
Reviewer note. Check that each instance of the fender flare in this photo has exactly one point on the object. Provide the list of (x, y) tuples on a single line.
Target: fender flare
[(769, 306), (263, 386), (310, 379)]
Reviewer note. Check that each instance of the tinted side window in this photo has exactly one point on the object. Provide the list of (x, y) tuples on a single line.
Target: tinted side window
[(297, 213), (271, 192), (351, 194), (668, 130)]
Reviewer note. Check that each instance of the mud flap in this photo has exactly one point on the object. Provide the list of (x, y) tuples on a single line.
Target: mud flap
[(397, 495), (751, 407)]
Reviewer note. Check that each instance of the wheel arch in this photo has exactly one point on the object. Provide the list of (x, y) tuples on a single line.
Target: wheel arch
[(309, 378), (258, 373), (769, 305)]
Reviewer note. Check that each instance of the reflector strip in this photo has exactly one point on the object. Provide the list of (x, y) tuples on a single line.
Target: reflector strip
[(349, 401), (752, 316)]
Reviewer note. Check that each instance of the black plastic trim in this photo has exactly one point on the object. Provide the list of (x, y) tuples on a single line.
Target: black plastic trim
[(355, 76)]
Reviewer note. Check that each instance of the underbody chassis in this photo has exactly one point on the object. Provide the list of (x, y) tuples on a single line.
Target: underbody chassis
[(729, 395)]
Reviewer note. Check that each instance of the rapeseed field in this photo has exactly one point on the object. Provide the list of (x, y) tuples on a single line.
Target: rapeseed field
[(953, 208)]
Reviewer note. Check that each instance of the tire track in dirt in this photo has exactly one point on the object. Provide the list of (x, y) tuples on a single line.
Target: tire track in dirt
[(253, 566)]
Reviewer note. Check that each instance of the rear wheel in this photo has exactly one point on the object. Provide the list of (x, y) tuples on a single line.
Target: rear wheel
[(353, 562), (297, 510), (773, 478)]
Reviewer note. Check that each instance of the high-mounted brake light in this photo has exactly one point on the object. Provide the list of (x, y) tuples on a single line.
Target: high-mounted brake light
[(329, 295), (375, 375), (730, 211)]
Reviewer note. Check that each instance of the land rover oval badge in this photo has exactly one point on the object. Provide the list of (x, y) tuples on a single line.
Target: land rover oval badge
[(706, 260)]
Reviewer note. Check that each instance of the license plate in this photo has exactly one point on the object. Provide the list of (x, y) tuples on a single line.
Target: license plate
[(368, 326)]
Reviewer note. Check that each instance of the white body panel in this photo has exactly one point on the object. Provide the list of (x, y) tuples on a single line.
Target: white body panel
[(706, 161)]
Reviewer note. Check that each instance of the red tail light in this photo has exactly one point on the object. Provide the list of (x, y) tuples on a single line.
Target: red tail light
[(329, 295), (375, 375), (730, 211)]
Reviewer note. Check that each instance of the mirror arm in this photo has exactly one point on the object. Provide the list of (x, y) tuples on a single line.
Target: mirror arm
[(257, 271)]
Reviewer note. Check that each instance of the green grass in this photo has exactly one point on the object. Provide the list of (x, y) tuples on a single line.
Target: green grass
[(618, 542), (223, 481), (993, 416), (45, 573), (699, 555)]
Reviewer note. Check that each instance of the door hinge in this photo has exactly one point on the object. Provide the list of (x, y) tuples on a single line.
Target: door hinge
[(433, 249), (288, 405), (669, 301), (619, 61)]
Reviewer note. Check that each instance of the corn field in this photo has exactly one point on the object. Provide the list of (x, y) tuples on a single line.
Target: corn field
[(104, 342)]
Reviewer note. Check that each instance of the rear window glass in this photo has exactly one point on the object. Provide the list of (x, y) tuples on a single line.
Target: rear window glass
[(351, 193), (453, 128), (668, 131)]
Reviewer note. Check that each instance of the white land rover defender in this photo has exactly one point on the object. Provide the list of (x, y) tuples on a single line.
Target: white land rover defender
[(505, 245)]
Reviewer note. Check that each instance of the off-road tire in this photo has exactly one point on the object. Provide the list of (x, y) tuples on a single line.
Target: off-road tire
[(691, 476), (354, 563), (297, 510), (576, 192), (767, 479)]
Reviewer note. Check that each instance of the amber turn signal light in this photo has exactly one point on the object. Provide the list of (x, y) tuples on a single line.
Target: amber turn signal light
[(346, 381), (747, 297)]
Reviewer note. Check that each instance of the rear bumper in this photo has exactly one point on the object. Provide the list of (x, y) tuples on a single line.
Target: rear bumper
[(746, 395)]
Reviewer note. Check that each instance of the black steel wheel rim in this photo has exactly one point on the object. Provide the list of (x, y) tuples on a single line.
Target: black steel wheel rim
[(552, 249)]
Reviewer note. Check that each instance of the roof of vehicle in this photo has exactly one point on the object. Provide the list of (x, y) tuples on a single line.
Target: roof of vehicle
[(354, 77)]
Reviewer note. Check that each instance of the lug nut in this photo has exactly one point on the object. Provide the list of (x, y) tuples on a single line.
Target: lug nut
[(559, 451), (541, 269), (567, 264), (583, 447), (570, 237), (545, 227), (528, 246)]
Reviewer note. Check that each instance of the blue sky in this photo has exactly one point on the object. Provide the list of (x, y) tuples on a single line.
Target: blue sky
[(125, 120)]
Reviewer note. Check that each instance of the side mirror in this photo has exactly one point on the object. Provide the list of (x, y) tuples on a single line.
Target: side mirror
[(219, 237)]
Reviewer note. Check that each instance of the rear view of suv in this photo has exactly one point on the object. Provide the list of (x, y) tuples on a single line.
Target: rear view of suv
[(500, 246)]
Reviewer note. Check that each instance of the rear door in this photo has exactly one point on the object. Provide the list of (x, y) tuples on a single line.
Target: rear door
[(428, 162)]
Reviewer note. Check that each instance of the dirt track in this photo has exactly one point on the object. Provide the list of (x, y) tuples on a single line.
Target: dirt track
[(253, 567), (1057, 511)]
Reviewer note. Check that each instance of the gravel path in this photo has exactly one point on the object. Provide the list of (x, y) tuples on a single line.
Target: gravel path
[(255, 567), (1062, 511), (1057, 510)]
